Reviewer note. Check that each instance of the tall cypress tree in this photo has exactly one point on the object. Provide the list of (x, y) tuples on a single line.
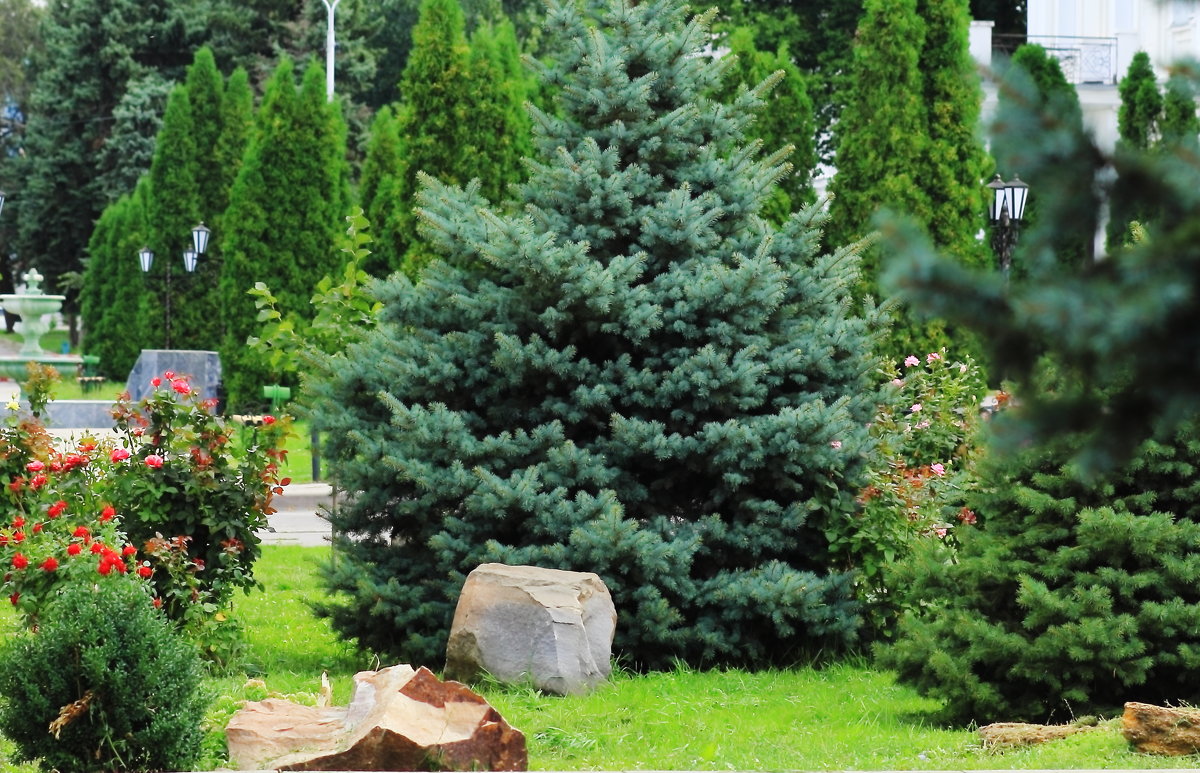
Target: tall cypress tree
[(499, 134), (433, 122), (237, 122), (1179, 122), (116, 296), (787, 121), (283, 220), (955, 161), (1138, 126), (174, 209), (379, 168), (622, 378), (1141, 104), (882, 136)]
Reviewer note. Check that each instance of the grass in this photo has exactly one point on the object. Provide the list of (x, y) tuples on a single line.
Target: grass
[(842, 717), (846, 716)]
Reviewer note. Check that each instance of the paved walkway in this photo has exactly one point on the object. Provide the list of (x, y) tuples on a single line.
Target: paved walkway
[(298, 520)]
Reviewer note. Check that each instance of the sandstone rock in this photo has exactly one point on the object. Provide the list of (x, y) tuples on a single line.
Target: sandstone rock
[(1160, 730), (524, 624), (1001, 735), (398, 719)]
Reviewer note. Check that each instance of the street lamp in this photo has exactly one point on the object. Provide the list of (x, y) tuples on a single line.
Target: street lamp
[(1, 201), (1006, 210), (191, 257), (329, 46)]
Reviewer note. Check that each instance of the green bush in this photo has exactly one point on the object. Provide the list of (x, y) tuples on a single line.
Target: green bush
[(1070, 597), (919, 473), (104, 683)]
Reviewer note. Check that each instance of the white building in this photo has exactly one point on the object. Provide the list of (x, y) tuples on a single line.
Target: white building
[(1095, 40)]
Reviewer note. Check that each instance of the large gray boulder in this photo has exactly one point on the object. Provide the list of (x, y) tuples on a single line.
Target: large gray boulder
[(524, 624)]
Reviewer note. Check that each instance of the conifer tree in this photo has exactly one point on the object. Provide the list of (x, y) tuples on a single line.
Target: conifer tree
[(283, 217), (379, 168), (206, 88), (1138, 126), (1141, 104), (881, 135), (174, 210), (636, 376), (460, 118), (237, 121), (956, 161), (433, 121), (787, 121), (115, 295), (1179, 122), (1069, 597), (499, 122)]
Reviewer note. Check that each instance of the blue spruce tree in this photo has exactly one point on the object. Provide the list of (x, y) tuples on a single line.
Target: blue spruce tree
[(637, 376)]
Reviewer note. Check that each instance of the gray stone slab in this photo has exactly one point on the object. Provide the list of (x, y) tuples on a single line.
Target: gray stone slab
[(79, 414), (202, 368)]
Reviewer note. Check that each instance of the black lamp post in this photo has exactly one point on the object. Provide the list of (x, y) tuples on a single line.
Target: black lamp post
[(191, 257), (1006, 210)]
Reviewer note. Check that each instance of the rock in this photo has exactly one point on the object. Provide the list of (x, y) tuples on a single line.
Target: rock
[(1015, 734), (398, 719), (1159, 730), (525, 624)]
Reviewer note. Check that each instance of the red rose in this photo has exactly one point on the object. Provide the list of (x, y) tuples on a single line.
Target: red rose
[(119, 455), (35, 466), (16, 484), (169, 375), (74, 549), (128, 550), (19, 561), (105, 566), (18, 522), (50, 564), (37, 481), (14, 598), (268, 420), (145, 571), (180, 385), (97, 547), (57, 509), (81, 531), (157, 603), (18, 536), (156, 382), (107, 514)]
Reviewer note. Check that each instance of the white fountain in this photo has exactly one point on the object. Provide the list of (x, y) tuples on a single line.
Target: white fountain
[(34, 306)]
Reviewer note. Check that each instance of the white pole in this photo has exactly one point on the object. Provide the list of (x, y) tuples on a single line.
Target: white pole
[(329, 46)]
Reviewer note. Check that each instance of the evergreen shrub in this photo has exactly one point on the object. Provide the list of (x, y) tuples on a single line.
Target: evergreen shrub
[(1071, 596), (104, 683), (637, 376)]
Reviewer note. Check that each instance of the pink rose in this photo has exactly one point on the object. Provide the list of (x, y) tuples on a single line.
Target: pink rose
[(911, 360), (180, 385), (932, 357), (119, 455), (938, 469), (154, 460)]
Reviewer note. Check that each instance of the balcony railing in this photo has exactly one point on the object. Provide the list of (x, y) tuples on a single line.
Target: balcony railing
[(1083, 60)]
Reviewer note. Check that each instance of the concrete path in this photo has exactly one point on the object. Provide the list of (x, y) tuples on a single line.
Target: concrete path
[(299, 520)]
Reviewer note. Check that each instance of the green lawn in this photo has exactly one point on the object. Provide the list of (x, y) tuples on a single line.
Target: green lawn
[(845, 716), (841, 717)]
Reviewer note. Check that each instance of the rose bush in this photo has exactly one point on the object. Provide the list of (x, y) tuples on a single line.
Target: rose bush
[(928, 441), (173, 500)]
